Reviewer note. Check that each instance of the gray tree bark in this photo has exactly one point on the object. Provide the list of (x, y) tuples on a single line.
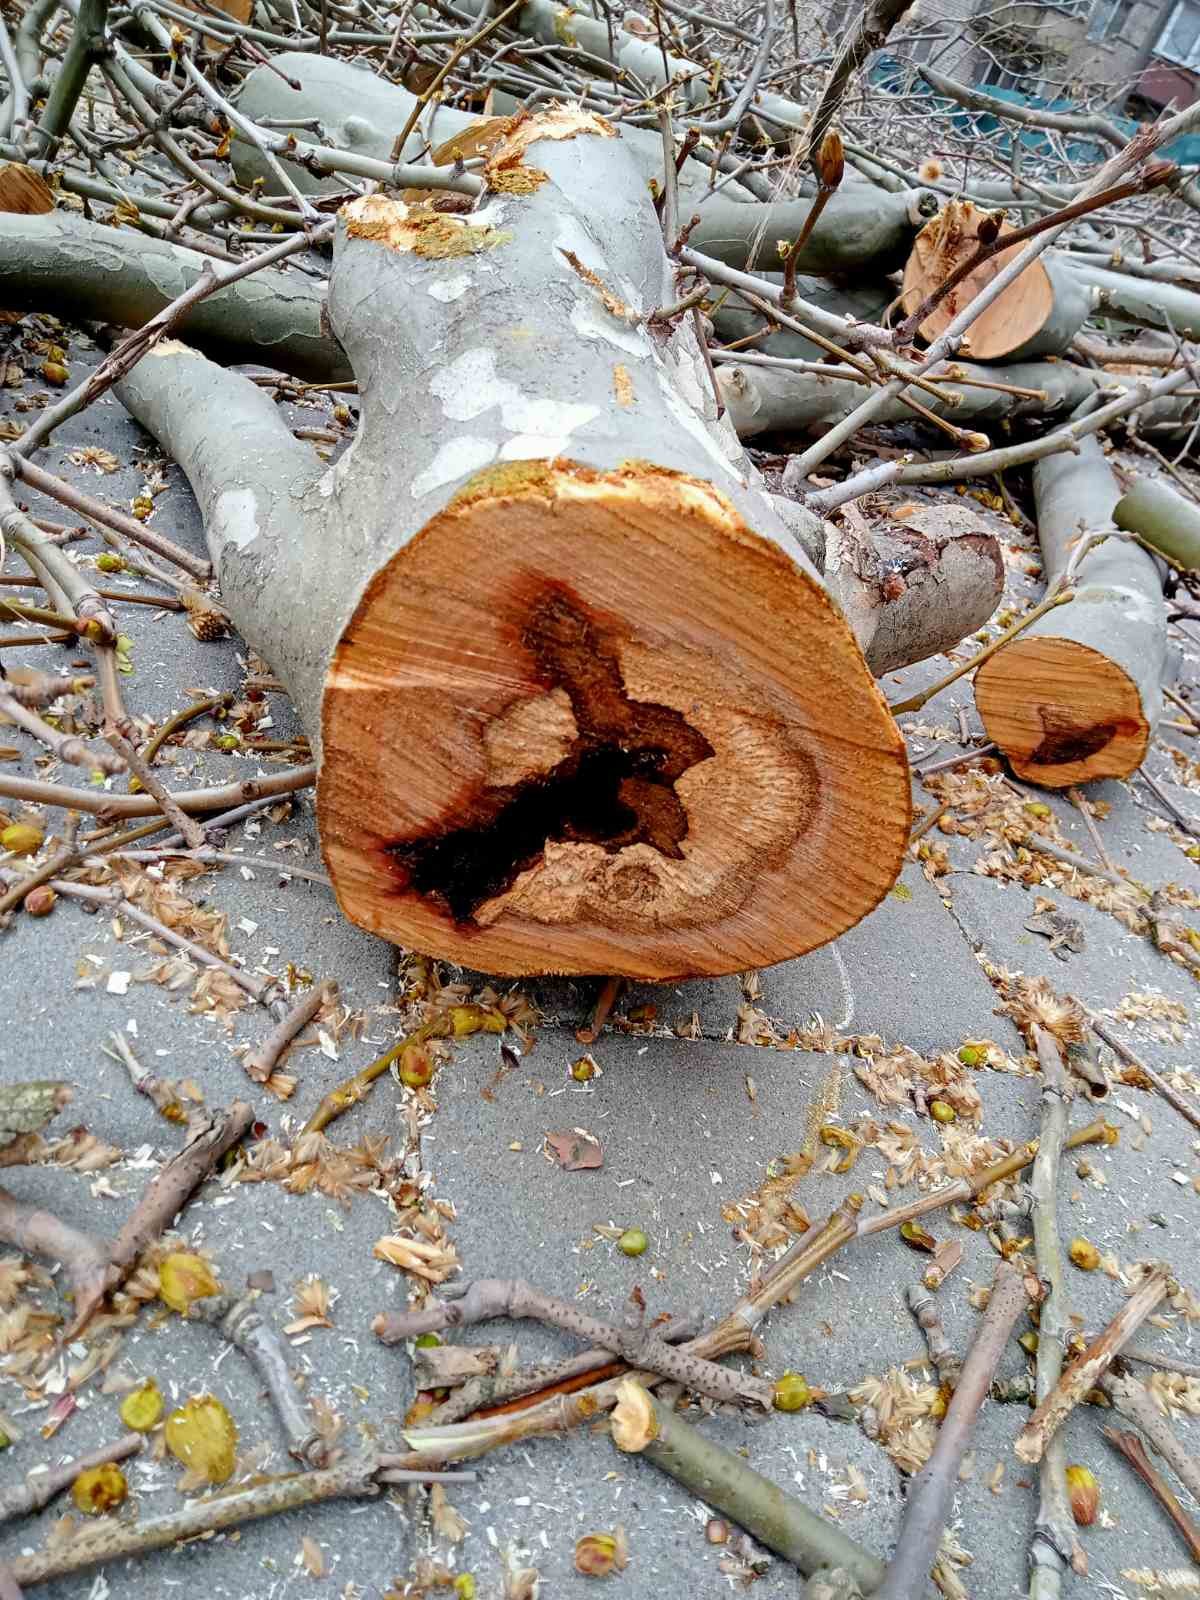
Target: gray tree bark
[(61, 263), (1163, 519), (581, 702)]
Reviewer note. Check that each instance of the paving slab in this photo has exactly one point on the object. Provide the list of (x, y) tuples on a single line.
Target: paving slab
[(877, 978)]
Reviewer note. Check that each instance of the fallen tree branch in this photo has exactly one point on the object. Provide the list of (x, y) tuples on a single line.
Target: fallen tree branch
[(96, 511), (1133, 1400), (932, 1489), (487, 1393), (111, 807), (95, 1266), (1086, 1370), (112, 1540), (947, 1363), (1055, 1544), (731, 1486), (1130, 1446), (260, 1062), (1160, 1085), (640, 1347), (40, 1486), (241, 1322)]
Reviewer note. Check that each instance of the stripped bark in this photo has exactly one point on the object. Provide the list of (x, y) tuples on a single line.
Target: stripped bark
[(1077, 695)]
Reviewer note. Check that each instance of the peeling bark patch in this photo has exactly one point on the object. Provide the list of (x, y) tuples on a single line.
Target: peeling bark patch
[(1065, 742), (615, 786), (417, 230)]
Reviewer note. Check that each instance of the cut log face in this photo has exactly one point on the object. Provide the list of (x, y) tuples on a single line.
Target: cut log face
[(1062, 712), (1075, 697), (580, 700), (615, 757), (1038, 314)]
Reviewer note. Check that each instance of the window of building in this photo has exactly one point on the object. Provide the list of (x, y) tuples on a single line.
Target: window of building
[(1108, 18), (1180, 39)]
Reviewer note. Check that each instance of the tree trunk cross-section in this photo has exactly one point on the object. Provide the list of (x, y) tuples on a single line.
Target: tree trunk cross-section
[(580, 699), (1075, 697)]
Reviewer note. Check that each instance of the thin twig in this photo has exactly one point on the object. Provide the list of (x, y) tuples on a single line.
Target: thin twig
[(640, 1347), (40, 1486), (933, 1488), (240, 1321), (1130, 1446), (115, 806), (1055, 1545), (1086, 1370), (1133, 1400), (1171, 1095), (260, 1062)]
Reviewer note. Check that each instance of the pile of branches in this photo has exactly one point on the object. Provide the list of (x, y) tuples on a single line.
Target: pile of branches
[(693, 220)]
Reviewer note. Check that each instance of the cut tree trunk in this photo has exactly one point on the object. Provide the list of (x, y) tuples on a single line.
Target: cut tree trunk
[(1139, 301), (581, 702), (774, 399), (1161, 517), (1076, 695), (1037, 315), (908, 592), (82, 270)]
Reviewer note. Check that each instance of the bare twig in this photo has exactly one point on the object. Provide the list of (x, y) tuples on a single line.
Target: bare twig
[(641, 1347), (947, 1364), (933, 1488), (114, 806), (1054, 1545), (110, 1540), (1161, 1086), (1130, 1446), (1086, 1370), (1132, 1399), (192, 832), (262, 1061), (240, 1321), (40, 1486)]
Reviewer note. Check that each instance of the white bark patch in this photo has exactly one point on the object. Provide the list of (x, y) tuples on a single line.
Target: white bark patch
[(457, 458), (470, 385), (448, 289), (591, 321), (535, 447), (235, 518)]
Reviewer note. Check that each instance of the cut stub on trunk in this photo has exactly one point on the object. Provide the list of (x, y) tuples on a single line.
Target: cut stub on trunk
[(627, 742), (1075, 697), (1037, 315)]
